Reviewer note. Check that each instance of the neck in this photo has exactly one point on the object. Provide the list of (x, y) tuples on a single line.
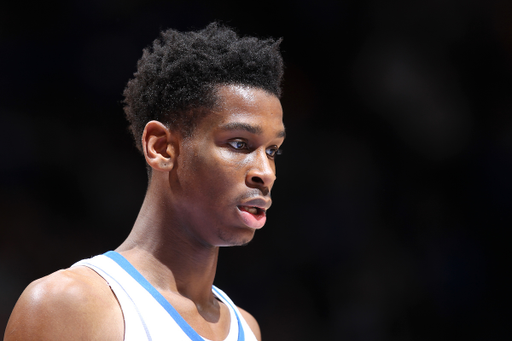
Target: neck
[(166, 253)]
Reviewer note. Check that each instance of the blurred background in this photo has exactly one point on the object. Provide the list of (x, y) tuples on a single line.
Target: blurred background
[(392, 199)]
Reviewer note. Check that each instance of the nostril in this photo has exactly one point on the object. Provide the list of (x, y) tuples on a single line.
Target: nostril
[(257, 179)]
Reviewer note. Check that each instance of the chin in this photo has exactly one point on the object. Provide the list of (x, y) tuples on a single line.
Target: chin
[(236, 239)]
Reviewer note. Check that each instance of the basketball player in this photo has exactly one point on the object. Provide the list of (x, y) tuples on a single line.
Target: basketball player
[(204, 110)]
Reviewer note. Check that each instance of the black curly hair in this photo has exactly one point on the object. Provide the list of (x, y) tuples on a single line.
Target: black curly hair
[(177, 76)]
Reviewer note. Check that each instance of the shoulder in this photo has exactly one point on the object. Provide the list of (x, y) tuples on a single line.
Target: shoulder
[(68, 304), (251, 321)]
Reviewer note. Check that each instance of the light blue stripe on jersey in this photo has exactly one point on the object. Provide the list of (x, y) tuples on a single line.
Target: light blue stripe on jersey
[(241, 335), (194, 336)]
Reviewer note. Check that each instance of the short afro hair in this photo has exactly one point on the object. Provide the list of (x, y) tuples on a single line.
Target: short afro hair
[(177, 77)]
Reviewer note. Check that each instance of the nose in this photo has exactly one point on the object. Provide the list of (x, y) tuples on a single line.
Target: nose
[(261, 173)]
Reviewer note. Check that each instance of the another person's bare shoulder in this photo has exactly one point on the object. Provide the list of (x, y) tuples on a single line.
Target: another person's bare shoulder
[(72, 304)]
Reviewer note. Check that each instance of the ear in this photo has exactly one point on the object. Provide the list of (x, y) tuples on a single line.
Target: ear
[(160, 146)]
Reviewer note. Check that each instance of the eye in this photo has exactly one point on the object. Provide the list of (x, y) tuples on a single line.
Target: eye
[(273, 151), (237, 144)]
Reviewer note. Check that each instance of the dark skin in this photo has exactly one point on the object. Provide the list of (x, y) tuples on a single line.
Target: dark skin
[(206, 191)]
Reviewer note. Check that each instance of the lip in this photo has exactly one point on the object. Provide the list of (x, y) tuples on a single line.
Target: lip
[(251, 220), (261, 203)]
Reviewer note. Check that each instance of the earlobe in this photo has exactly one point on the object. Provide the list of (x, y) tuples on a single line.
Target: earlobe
[(159, 146)]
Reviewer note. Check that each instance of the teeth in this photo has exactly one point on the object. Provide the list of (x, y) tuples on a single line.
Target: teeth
[(252, 210)]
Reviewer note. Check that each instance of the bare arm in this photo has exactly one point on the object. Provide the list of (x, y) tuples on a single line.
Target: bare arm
[(251, 321), (74, 304)]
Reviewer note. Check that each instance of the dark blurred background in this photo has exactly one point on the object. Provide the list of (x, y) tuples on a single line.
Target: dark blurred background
[(392, 196)]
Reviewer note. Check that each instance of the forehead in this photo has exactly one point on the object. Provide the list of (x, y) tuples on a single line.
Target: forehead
[(246, 106)]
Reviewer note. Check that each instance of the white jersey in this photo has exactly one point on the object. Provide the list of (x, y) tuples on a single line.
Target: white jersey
[(147, 314)]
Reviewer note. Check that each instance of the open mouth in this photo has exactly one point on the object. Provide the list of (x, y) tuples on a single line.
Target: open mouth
[(253, 213), (252, 210)]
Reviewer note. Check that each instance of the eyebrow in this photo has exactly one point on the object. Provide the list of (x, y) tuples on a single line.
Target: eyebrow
[(257, 130)]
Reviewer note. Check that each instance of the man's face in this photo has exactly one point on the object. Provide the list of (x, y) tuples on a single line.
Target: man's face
[(226, 170)]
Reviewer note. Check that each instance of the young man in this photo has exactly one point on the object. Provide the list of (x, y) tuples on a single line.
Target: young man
[(204, 110)]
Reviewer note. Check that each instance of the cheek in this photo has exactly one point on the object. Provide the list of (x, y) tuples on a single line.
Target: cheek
[(215, 171), (231, 162)]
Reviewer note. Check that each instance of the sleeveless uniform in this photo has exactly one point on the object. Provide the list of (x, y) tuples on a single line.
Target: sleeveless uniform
[(148, 316)]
